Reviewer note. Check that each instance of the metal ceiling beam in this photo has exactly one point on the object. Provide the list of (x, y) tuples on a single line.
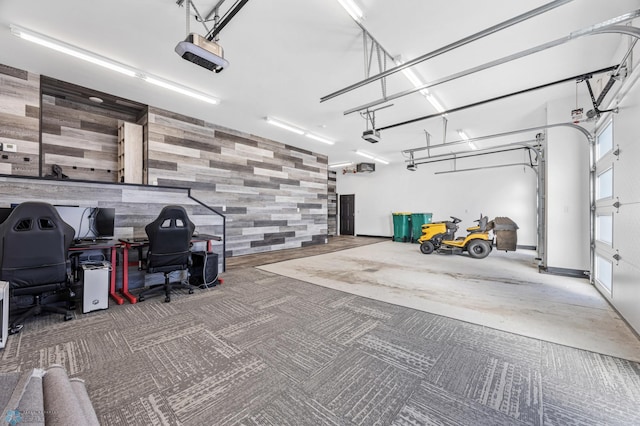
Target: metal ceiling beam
[(513, 146), (464, 154), (488, 31), (581, 129), (542, 86), (214, 10), (499, 166), (226, 18), (594, 29)]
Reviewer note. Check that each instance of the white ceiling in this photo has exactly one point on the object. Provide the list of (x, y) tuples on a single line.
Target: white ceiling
[(287, 54)]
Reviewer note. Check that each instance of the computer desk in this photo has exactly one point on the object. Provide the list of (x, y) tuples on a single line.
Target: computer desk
[(112, 246), (138, 243)]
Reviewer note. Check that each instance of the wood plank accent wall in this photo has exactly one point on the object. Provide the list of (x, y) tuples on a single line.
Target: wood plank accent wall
[(20, 121), (274, 195), (81, 138)]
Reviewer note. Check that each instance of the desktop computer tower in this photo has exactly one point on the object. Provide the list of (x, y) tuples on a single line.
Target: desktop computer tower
[(203, 271), (95, 285)]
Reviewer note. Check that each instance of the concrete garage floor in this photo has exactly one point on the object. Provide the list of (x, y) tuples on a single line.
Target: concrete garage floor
[(503, 291)]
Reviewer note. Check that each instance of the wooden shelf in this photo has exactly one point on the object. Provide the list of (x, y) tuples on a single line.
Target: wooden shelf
[(129, 152)]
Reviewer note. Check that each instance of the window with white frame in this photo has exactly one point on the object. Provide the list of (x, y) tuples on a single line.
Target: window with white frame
[(604, 272), (604, 184), (604, 140), (604, 228)]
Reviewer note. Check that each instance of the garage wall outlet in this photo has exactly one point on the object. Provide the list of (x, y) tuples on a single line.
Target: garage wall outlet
[(8, 147)]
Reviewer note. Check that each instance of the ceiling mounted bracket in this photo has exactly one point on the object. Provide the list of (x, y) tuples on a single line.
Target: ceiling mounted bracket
[(371, 134), (488, 31), (475, 104), (226, 18), (596, 112), (606, 26)]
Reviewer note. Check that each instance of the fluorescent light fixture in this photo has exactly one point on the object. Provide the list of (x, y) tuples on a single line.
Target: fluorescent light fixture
[(415, 80), (285, 126), (352, 9), (464, 136), (102, 61), (297, 130), (331, 166), (180, 89), (371, 157), (433, 101), (319, 138), (412, 77), (365, 155), (68, 49)]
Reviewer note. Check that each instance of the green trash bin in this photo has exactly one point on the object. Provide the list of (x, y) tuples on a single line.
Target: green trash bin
[(417, 220), (401, 227)]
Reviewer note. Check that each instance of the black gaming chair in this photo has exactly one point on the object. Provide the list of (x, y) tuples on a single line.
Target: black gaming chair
[(169, 249), (34, 241)]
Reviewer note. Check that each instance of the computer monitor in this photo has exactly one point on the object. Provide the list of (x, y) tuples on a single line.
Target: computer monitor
[(4, 213), (104, 221)]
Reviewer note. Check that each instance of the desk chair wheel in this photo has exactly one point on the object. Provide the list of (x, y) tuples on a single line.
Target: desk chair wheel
[(190, 291), (68, 317), (140, 298), (167, 299), (15, 329)]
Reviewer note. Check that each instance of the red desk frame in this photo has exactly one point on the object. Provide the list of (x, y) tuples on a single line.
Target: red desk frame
[(112, 278), (126, 245)]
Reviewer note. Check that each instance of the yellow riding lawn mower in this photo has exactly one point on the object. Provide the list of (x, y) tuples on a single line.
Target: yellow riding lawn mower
[(440, 237)]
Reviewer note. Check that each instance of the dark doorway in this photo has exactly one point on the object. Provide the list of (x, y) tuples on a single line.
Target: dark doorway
[(347, 214)]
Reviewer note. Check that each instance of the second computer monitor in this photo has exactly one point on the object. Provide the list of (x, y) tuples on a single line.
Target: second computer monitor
[(104, 221)]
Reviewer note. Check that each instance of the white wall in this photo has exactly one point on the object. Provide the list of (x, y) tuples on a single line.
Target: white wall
[(507, 192)]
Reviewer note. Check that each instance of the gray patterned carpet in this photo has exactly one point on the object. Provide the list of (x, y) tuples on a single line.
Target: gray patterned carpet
[(268, 350)]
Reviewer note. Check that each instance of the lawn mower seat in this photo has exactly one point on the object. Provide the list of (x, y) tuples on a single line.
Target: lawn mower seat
[(483, 226)]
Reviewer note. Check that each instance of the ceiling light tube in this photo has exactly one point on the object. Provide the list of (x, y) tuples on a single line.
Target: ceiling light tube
[(180, 89), (74, 51), (412, 77), (319, 138), (464, 136), (285, 126), (331, 166), (352, 9), (371, 157), (433, 101), (365, 155), (102, 61)]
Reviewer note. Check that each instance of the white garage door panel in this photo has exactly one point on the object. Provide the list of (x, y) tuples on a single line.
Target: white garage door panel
[(625, 179), (627, 282), (626, 225)]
